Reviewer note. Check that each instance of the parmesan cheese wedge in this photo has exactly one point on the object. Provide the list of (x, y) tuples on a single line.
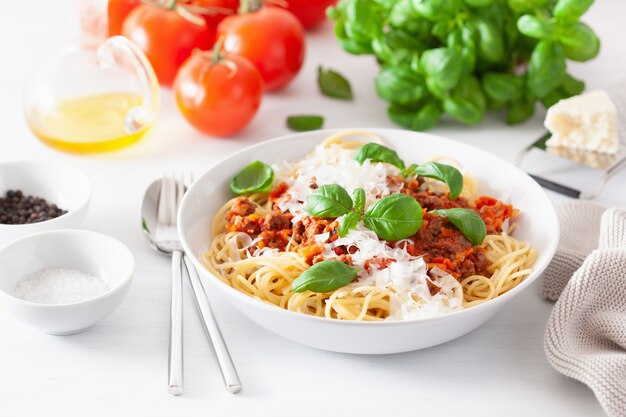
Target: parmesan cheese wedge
[(586, 122)]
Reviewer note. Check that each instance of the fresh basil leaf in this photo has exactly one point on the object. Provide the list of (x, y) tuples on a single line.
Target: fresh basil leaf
[(400, 85), (467, 221), (443, 66), (551, 98), (490, 44), (520, 110), (442, 172), (394, 217), (378, 153), (423, 118), (571, 86), (325, 276), (305, 122), (579, 42), (502, 86), (479, 3), (256, 177), (571, 9), (333, 84), (463, 110), (359, 200), (348, 222), (546, 68), (437, 10), (535, 27), (329, 201)]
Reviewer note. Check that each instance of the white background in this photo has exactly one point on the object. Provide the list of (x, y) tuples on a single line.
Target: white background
[(119, 367)]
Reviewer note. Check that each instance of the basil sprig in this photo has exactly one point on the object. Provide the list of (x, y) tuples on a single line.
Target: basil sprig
[(448, 174), (256, 177), (378, 153), (394, 217), (467, 221), (329, 200), (325, 276)]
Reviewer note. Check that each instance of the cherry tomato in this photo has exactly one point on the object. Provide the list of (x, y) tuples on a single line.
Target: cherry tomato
[(221, 9), (310, 13), (271, 38), (117, 10), (166, 37), (218, 95)]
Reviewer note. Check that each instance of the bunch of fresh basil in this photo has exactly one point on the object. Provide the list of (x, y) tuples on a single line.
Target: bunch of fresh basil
[(463, 57)]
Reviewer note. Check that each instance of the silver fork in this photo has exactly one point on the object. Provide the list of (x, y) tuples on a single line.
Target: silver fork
[(172, 191), (166, 240)]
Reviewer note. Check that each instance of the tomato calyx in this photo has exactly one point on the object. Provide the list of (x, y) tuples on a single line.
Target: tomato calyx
[(189, 12), (249, 6), (215, 57)]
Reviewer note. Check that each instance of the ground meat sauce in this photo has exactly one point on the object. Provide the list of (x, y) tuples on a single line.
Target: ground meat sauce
[(438, 242), (443, 246)]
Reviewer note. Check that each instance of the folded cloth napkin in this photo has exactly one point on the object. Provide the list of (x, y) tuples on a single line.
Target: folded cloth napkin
[(580, 230), (586, 333)]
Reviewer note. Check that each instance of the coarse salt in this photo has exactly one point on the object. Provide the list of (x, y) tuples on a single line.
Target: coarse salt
[(60, 286)]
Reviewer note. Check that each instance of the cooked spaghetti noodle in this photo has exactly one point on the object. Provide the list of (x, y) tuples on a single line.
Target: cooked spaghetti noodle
[(398, 280)]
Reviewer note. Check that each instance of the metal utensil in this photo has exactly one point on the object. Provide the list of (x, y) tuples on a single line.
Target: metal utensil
[(149, 222), (166, 240), (607, 165)]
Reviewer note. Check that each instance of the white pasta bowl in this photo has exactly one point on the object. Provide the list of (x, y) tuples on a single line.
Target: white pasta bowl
[(57, 182), (91, 252), (536, 224)]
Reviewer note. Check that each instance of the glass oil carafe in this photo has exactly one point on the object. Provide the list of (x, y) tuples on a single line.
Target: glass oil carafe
[(93, 99)]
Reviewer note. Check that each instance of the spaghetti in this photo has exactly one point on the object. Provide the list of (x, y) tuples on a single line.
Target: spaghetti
[(256, 251)]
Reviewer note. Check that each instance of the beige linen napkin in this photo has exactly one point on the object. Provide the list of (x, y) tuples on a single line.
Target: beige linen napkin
[(586, 333)]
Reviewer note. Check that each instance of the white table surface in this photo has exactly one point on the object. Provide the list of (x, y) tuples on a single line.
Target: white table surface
[(119, 367)]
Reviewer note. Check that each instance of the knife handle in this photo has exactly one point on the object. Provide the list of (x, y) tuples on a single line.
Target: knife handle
[(556, 187), (227, 367)]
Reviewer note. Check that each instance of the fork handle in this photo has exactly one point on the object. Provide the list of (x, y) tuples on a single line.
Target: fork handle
[(229, 373), (175, 363)]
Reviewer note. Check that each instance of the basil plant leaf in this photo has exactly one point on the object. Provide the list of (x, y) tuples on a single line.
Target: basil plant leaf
[(442, 172), (256, 177), (579, 42), (443, 67), (305, 122), (546, 69), (424, 118), (535, 27), (348, 222), (394, 217), (467, 221), (503, 87), (359, 200), (571, 9), (378, 153), (400, 85), (329, 201), (490, 43), (325, 276), (521, 110), (333, 84)]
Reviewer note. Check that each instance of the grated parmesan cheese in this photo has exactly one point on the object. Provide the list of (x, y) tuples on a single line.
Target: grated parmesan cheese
[(408, 274)]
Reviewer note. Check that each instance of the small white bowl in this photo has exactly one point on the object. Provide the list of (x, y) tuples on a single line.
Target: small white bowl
[(91, 252), (58, 183)]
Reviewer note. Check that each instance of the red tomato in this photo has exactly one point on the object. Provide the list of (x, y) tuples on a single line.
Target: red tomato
[(271, 38), (311, 13), (166, 38), (117, 10), (218, 97)]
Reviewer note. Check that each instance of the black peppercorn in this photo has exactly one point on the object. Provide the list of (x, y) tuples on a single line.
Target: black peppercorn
[(17, 208)]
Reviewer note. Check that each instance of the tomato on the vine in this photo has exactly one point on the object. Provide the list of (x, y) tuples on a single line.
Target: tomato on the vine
[(270, 37), (117, 10), (218, 95), (311, 13), (166, 37)]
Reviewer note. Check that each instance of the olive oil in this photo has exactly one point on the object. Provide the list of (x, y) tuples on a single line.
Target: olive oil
[(95, 123)]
